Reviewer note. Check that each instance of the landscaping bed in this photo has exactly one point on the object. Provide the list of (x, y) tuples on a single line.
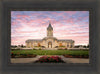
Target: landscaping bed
[(22, 55), (50, 59), (76, 56)]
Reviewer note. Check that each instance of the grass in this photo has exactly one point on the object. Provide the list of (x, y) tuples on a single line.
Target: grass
[(51, 52)]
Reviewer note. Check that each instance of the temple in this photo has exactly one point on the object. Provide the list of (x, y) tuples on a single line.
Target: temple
[(50, 41)]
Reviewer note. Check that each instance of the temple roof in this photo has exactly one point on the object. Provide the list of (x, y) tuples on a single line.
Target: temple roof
[(69, 40), (49, 38), (29, 40), (45, 38)]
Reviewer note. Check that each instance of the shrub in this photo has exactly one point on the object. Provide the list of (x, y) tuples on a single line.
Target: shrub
[(65, 48), (39, 48), (34, 49), (51, 59), (56, 46), (12, 55), (76, 56)]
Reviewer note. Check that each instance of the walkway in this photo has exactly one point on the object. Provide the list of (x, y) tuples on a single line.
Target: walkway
[(32, 60)]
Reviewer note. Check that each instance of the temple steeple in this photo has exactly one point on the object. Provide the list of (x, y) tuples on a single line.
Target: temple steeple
[(50, 30), (49, 27)]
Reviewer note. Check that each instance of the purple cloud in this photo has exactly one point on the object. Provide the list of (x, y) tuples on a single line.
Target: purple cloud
[(32, 25)]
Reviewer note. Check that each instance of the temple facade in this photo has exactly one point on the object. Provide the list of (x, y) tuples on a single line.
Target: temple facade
[(50, 41)]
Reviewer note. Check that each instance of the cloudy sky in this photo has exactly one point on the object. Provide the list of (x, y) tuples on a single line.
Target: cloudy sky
[(33, 25)]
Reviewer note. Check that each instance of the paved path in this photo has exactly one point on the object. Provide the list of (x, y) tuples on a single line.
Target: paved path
[(75, 60), (32, 60), (24, 60)]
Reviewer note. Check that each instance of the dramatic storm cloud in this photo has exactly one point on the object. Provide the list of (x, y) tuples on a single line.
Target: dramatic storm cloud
[(66, 25)]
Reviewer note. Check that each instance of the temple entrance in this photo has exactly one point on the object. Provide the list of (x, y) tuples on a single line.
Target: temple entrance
[(49, 44)]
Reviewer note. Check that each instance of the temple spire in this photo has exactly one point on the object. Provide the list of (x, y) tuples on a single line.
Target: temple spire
[(50, 27)]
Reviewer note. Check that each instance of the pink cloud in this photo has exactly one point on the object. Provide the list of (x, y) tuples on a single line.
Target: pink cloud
[(68, 28), (22, 16)]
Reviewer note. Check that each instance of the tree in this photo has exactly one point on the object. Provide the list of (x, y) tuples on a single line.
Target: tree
[(13, 46), (84, 46), (88, 46), (22, 45)]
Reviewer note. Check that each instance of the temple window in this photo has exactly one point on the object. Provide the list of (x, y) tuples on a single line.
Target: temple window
[(39, 44), (60, 44)]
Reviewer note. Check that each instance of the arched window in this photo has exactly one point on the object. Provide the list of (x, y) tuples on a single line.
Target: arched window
[(67, 44), (39, 44), (71, 45), (60, 44)]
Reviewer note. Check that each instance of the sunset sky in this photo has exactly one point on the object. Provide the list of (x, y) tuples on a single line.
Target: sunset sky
[(66, 25)]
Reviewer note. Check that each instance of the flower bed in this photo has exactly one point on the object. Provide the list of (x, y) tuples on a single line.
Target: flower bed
[(76, 56), (51, 59), (18, 55)]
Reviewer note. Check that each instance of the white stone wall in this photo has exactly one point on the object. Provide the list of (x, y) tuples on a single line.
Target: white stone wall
[(54, 43)]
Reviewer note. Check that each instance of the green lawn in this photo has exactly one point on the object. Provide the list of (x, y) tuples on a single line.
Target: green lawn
[(51, 52)]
